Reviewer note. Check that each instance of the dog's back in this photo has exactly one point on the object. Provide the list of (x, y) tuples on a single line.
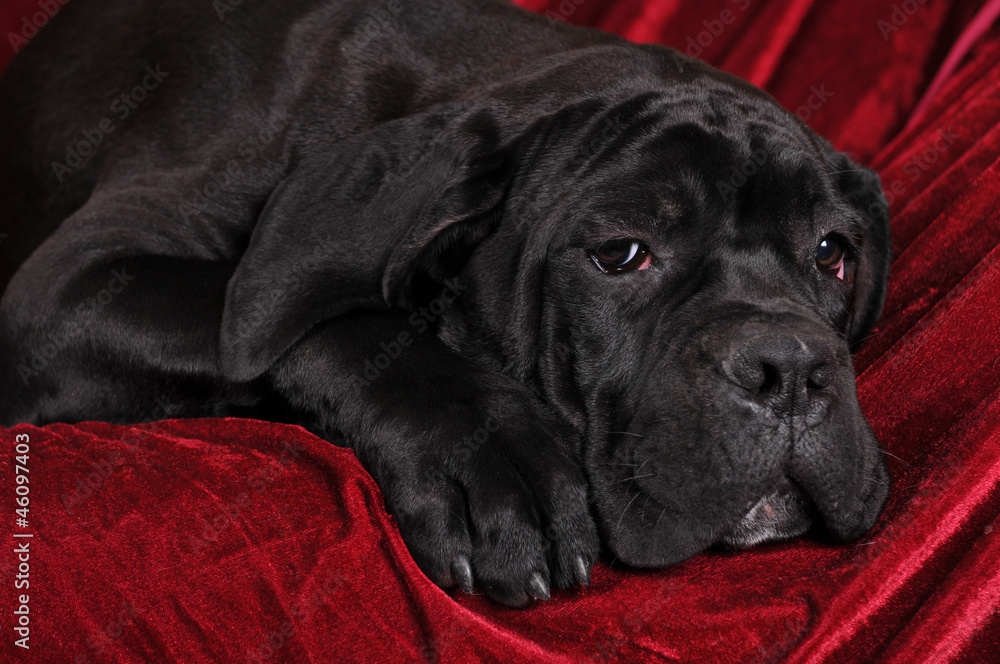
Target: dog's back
[(75, 94)]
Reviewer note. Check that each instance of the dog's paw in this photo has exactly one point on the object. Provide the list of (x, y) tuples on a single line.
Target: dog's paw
[(492, 501)]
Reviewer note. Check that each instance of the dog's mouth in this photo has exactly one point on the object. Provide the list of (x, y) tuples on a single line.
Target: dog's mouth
[(780, 515), (667, 512), (710, 459)]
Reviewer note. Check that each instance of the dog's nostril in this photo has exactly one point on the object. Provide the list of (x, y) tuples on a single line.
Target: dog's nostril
[(770, 379), (821, 377)]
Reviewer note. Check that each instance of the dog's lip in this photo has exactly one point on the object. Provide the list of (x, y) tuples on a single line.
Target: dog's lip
[(870, 506), (778, 515)]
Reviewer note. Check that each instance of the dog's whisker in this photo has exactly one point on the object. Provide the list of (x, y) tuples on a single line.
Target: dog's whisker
[(871, 336), (648, 497), (618, 525), (643, 464), (637, 477), (898, 458), (626, 433)]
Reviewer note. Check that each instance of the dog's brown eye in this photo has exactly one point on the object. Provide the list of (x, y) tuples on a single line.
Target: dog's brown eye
[(831, 257), (620, 256)]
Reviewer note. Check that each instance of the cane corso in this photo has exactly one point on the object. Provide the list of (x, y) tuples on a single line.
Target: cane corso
[(558, 291)]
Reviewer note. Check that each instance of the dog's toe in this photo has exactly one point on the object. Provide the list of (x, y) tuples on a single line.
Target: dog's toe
[(508, 512), (461, 571)]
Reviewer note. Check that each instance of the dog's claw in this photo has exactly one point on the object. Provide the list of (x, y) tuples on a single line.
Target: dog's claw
[(461, 571), (581, 572), (538, 587)]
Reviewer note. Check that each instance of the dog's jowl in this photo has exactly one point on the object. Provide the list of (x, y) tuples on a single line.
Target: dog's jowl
[(508, 261)]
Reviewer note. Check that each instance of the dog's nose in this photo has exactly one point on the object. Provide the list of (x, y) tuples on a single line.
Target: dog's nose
[(788, 371)]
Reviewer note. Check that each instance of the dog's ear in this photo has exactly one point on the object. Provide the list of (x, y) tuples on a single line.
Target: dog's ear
[(863, 190), (344, 230)]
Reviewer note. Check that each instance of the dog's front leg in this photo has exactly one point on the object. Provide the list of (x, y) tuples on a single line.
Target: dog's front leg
[(94, 328), (466, 458)]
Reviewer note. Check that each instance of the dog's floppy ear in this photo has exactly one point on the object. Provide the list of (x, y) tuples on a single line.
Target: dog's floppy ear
[(343, 230), (863, 190)]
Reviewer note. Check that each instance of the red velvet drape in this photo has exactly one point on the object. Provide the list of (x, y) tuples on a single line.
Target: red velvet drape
[(235, 540)]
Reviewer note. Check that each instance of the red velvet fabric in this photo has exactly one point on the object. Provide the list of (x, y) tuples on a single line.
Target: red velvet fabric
[(237, 540)]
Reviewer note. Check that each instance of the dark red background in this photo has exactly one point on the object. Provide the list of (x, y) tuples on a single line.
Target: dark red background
[(235, 540)]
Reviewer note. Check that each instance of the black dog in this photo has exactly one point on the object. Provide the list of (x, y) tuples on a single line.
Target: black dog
[(553, 288)]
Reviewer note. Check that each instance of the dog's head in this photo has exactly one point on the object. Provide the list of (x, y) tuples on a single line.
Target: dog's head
[(677, 266)]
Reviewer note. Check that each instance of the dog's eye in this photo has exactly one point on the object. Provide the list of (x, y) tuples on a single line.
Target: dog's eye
[(620, 256), (831, 257)]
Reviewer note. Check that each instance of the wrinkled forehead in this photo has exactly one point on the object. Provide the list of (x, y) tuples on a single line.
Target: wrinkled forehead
[(711, 158)]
